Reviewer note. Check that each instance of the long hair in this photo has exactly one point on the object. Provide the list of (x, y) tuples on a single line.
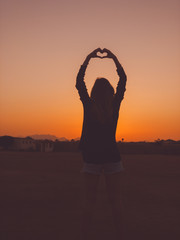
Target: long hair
[(102, 93)]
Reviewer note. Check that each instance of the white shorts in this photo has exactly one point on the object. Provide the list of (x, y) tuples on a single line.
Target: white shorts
[(107, 168)]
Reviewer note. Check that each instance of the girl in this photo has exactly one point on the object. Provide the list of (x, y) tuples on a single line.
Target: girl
[(97, 143)]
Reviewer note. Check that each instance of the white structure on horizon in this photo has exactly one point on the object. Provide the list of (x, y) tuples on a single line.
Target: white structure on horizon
[(24, 144), (46, 146), (30, 144)]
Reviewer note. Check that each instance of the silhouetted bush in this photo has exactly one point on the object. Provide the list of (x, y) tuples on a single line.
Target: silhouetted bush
[(6, 142)]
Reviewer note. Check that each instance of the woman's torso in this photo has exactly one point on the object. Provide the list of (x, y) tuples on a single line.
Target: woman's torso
[(98, 133)]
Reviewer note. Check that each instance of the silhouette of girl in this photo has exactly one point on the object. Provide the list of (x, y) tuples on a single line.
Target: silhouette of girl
[(97, 143)]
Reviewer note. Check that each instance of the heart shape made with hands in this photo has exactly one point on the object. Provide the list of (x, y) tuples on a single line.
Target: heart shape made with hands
[(102, 54)]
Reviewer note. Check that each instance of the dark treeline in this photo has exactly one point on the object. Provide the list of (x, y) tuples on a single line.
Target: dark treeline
[(162, 147), (8, 143)]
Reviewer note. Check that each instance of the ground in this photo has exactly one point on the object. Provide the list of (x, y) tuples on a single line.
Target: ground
[(41, 197)]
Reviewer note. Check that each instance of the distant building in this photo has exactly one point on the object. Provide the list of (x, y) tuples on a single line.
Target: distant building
[(29, 144), (45, 145), (24, 144)]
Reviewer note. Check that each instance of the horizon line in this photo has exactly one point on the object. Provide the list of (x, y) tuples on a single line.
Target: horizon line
[(78, 138)]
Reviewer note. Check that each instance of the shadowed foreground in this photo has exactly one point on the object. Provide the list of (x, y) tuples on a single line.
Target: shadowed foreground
[(41, 197)]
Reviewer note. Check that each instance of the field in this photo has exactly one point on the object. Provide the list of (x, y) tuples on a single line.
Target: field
[(41, 197)]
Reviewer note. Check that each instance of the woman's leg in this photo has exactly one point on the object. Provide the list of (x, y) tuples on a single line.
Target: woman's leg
[(113, 186), (89, 200)]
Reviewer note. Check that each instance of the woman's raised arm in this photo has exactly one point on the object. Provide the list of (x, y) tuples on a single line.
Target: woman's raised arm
[(121, 86), (80, 84)]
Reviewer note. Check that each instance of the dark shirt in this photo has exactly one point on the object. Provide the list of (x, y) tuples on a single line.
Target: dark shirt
[(98, 137)]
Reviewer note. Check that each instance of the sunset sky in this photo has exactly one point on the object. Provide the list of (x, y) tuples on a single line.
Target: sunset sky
[(44, 42)]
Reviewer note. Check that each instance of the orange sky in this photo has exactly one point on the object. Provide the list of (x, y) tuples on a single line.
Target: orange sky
[(43, 44)]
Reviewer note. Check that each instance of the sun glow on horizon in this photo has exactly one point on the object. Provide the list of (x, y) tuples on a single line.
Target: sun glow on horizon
[(43, 45)]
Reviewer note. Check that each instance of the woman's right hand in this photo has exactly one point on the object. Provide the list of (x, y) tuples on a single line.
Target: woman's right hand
[(93, 54)]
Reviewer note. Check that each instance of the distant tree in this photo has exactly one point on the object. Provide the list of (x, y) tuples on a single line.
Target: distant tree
[(159, 141), (6, 142)]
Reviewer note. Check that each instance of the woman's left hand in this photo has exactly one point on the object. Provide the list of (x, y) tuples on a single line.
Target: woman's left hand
[(109, 54)]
